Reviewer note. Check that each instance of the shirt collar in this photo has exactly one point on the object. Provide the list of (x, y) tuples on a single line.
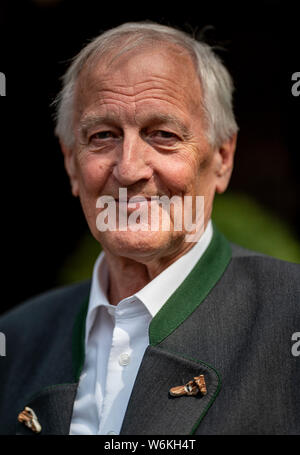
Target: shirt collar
[(98, 293)]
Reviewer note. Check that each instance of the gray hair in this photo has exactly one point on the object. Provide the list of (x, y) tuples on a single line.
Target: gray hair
[(216, 82)]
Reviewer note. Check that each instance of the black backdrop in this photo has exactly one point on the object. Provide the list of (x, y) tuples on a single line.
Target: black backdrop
[(41, 222)]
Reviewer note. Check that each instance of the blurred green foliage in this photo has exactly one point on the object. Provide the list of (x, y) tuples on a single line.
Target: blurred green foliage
[(246, 222), (241, 219)]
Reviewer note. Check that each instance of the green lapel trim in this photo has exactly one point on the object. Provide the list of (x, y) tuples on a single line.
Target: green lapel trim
[(78, 347), (193, 290), (212, 398)]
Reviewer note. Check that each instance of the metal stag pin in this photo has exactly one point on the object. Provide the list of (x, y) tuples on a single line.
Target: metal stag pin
[(191, 388), (29, 418)]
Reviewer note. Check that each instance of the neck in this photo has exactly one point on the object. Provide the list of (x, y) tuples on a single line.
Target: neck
[(127, 276)]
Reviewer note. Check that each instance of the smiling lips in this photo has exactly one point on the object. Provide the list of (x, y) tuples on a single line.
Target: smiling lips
[(137, 202)]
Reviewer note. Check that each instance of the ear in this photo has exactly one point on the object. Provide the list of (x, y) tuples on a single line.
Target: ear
[(225, 156), (71, 168)]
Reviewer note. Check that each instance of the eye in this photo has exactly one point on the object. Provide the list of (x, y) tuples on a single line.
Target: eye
[(102, 135), (164, 134), (163, 137)]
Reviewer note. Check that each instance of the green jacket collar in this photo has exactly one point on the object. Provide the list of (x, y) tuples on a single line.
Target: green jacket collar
[(193, 289)]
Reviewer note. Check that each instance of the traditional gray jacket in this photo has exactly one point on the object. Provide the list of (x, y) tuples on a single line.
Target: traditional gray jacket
[(232, 320)]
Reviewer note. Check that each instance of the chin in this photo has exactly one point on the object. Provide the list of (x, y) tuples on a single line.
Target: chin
[(139, 244)]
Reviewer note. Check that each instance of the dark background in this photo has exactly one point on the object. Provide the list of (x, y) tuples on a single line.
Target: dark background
[(41, 222)]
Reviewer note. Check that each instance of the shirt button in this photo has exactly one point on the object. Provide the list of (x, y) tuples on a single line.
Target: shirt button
[(124, 359), (112, 432)]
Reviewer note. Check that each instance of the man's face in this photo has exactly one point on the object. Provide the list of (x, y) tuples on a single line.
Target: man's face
[(139, 125)]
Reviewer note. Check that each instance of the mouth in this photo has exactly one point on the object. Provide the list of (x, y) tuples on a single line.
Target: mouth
[(138, 199), (137, 202)]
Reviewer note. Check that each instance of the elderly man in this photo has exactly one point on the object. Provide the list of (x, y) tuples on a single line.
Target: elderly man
[(174, 334)]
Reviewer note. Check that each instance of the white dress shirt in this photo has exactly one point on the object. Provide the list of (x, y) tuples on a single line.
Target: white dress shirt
[(116, 338)]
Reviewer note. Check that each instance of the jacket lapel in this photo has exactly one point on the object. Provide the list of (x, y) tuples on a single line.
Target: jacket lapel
[(53, 407), (152, 410)]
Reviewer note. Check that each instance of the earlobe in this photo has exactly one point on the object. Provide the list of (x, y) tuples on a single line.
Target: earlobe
[(225, 164), (70, 166), (75, 189)]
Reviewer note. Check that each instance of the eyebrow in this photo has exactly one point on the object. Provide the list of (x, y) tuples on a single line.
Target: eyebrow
[(161, 118), (92, 121)]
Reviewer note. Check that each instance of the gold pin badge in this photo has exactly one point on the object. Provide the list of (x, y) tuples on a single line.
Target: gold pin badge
[(200, 381), (29, 418), (191, 388)]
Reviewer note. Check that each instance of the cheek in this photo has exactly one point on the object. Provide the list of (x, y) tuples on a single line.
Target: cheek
[(93, 173), (179, 176), (179, 171), (191, 172)]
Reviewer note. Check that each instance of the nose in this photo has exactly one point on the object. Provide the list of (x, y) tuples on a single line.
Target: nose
[(132, 163)]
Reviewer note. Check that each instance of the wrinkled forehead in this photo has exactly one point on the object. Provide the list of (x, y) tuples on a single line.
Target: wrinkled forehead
[(165, 67)]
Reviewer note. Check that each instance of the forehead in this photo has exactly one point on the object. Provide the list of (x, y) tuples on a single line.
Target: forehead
[(150, 74)]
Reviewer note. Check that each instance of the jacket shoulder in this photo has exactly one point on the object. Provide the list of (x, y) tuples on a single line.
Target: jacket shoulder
[(239, 252), (46, 307), (265, 274)]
